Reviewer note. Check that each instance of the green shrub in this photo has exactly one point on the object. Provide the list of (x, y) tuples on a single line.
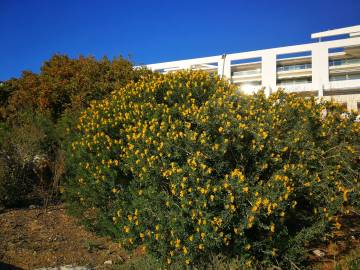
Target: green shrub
[(64, 83), (14, 184), (183, 164), (38, 109), (25, 158)]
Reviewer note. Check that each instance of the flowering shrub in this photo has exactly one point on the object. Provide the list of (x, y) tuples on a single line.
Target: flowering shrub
[(186, 167)]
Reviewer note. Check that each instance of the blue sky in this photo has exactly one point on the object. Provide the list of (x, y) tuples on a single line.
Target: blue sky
[(156, 31)]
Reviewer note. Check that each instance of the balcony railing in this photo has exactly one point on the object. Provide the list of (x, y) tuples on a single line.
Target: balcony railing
[(294, 67), (247, 72), (342, 62), (293, 82), (297, 87), (345, 77), (344, 84)]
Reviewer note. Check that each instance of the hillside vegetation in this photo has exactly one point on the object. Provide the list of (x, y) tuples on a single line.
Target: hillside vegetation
[(180, 166)]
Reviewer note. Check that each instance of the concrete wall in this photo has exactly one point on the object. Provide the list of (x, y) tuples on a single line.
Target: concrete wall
[(319, 58), (351, 100)]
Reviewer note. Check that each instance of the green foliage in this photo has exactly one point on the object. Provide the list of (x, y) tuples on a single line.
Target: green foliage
[(66, 83), (14, 184), (25, 144), (215, 262), (38, 112), (183, 164)]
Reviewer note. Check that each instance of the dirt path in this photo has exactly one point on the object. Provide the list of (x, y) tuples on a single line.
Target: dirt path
[(36, 238)]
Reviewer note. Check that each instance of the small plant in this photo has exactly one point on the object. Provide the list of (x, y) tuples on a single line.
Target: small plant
[(183, 164)]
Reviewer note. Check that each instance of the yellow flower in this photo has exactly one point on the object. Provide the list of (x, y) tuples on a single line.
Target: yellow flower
[(177, 243), (272, 227), (337, 225), (248, 263)]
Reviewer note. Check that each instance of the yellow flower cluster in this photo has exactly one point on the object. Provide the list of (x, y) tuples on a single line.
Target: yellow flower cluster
[(192, 166)]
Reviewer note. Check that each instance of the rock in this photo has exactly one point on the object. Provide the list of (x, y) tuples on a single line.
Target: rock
[(32, 207), (109, 262), (318, 253)]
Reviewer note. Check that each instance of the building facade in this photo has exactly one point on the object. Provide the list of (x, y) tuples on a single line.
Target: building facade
[(328, 68)]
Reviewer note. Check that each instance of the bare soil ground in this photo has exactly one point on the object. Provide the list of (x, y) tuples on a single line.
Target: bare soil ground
[(34, 238), (342, 248)]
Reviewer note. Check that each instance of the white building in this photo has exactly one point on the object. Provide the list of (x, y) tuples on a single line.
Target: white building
[(328, 67)]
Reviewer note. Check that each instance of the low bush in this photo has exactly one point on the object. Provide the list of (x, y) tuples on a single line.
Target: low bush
[(37, 109), (24, 159), (185, 166)]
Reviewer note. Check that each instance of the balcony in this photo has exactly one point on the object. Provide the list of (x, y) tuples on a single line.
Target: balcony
[(293, 67), (350, 84), (296, 85), (247, 72), (345, 77), (343, 62), (341, 67), (294, 71), (249, 87), (344, 81), (246, 75)]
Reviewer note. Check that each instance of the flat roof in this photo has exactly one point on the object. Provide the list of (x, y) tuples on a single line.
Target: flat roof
[(337, 32)]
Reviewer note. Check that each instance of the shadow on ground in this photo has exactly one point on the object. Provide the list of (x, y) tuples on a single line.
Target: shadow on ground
[(5, 266)]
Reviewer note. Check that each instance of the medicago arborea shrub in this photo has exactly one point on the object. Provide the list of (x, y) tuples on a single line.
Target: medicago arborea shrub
[(184, 166)]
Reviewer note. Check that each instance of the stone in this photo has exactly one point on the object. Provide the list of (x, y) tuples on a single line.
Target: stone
[(109, 262), (318, 253)]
